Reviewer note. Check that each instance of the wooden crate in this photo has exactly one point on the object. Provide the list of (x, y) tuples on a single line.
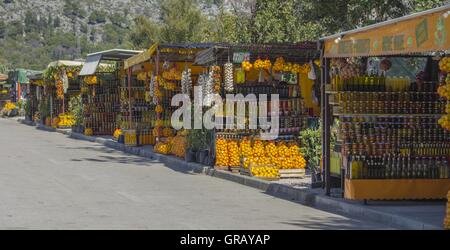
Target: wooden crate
[(234, 169), (226, 168), (292, 173)]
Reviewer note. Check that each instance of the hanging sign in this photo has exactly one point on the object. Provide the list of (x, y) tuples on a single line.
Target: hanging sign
[(239, 57), (421, 33)]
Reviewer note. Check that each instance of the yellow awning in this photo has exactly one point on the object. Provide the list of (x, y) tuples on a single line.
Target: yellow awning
[(140, 58), (422, 32)]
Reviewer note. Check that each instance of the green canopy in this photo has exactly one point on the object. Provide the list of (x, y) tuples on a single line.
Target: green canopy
[(21, 75)]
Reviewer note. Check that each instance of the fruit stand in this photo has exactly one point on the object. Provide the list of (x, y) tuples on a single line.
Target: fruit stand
[(381, 84), (154, 78), (34, 96), (100, 84), (61, 84), (4, 91), (273, 69)]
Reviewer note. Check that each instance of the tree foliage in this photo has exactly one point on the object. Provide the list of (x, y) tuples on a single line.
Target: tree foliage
[(40, 38)]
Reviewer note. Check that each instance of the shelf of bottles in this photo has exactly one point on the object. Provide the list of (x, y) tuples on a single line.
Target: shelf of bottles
[(138, 124), (101, 104), (293, 114), (388, 129)]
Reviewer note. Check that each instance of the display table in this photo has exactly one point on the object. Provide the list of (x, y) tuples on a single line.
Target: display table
[(401, 189)]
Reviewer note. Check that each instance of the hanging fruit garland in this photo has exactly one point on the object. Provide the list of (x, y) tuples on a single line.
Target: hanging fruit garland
[(186, 81), (59, 89), (208, 88), (279, 64), (444, 91), (229, 81), (247, 66), (217, 77)]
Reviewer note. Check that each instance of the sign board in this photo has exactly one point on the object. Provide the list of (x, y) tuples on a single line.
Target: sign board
[(419, 34), (140, 58), (239, 57)]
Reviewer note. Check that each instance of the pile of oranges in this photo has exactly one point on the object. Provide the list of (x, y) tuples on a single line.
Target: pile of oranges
[(233, 153), (280, 155), (162, 148), (222, 159)]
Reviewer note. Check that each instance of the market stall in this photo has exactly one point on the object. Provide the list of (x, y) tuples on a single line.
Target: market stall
[(34, 96), (100, 85), (61, 83), (153, 78), (273, 69), (381, 84), (4, 90)]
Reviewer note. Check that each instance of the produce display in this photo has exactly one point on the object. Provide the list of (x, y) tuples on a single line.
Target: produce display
[(10, 106), (138, 124), (444, 91), (262, 158), (101, 103), (117, 133), (66, 121), (388, 126), (178, 147), (162, 148)]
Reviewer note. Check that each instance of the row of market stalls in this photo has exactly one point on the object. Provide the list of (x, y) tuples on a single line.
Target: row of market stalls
[(381, 92), (137, 98)]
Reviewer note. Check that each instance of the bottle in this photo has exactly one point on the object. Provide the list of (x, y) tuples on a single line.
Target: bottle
[(387, 173)]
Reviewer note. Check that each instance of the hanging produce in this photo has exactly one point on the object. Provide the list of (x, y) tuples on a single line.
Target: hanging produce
[(208, 88), (229, 81), (186, 81), (217, 77), (444, 91), (240, 76), (60, 90), (279, 64), (247, 66)]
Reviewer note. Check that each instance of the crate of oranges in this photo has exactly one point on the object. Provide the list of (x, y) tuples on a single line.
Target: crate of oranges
[(266, 172)]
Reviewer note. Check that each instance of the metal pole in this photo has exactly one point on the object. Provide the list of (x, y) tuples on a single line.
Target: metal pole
[(130, 71), (158, 101), (322, 111), (327, 135)]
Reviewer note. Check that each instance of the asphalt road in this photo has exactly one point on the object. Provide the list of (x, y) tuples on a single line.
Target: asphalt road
[(49, 181)]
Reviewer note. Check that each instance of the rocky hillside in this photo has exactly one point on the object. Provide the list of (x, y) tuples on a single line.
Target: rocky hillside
[(78, 16)]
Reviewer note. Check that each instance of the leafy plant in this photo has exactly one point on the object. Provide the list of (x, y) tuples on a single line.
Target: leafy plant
[(44, 108), (311, 146), (76, 109), (199, 139), (27, 108), (311, 143)]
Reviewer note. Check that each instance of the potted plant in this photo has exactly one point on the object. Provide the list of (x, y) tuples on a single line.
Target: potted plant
[(193, 145), (76, 109), (27, 108)]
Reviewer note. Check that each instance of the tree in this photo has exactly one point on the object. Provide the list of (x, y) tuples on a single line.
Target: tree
[(15, 28), (181, 21), (144, 33), (274, 21), (72, 9), (57, 22), (31, 22), (2, 29)]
